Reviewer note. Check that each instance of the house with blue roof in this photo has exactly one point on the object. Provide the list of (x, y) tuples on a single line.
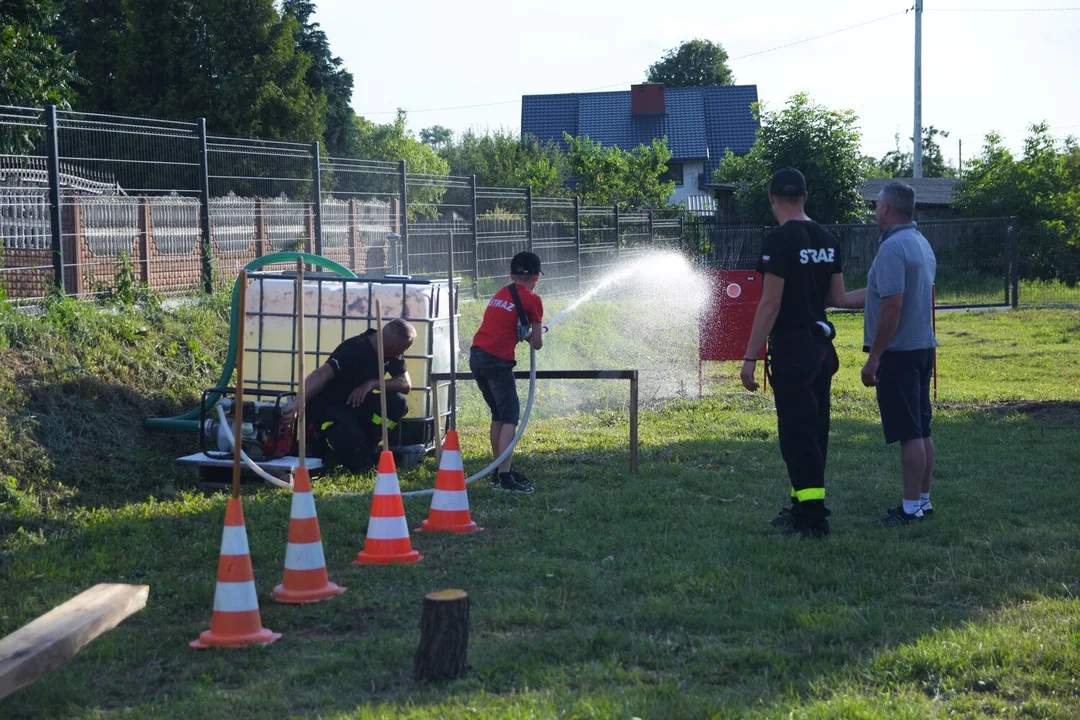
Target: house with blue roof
[(700, 124)]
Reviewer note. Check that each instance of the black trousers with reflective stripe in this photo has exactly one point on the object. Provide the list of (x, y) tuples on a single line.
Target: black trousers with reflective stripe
[(801, 371), (351, 435)]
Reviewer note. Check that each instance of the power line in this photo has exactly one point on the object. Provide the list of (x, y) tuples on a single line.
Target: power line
[(791, 44), (823, 35), (1003, 10), (953, 136), (628, 82)]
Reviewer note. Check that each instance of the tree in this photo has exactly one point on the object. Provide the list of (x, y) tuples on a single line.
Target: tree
[(822, 143), (437, 137), (871, 169), (234, 62), (897, 164), (91, 30), (613, 176), (501, 159), (34, 71), (1041, 189), (692, 64), (393, 141), (327, 76)]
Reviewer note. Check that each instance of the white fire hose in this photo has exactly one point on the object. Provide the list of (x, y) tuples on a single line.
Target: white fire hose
[(243, 455), (497, 461), (513, 443), (224, 427)]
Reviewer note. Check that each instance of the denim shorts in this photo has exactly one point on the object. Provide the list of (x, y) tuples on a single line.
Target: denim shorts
[(903, 394), (495, 377)]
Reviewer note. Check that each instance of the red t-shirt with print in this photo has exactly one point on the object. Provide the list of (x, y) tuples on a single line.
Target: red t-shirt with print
[(498, 331)]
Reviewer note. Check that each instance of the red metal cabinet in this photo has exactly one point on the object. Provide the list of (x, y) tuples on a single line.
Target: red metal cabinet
[(728, 316)]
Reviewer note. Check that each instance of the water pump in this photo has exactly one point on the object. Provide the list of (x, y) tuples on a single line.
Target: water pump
[(263, 436)]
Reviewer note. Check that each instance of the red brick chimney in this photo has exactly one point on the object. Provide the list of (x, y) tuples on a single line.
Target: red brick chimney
[(647, 99)]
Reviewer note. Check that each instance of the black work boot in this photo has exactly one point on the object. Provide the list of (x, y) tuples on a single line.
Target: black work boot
[(509, 483), (810, 530)]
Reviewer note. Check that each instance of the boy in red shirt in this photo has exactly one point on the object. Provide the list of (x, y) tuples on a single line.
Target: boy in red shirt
[(514, 314)]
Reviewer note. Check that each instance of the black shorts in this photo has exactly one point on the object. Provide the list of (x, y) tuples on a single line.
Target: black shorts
[(495, 377), (903, 394)]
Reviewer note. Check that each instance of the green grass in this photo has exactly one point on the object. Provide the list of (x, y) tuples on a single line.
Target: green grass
[(604, 594), (957, 286), (76, 382)]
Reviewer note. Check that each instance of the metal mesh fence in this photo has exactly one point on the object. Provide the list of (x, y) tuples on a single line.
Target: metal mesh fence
[(972, 258), (599, 241), (84, 198), (371, 191), (734, 247), (232, 222), (278, 177), (335, 225), (635, 228), (503, 230), (129, 187), (1047, 269), (26, 262), (666, 229), (440, 213), (558, 244), (980, 262)]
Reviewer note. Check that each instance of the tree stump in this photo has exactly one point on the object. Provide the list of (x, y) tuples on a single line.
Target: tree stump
[(444, 637)]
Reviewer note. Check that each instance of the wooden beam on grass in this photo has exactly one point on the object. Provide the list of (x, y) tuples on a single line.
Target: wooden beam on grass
[(51, 640)]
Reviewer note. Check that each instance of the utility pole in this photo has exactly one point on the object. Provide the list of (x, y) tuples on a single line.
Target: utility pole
[(918, 90)]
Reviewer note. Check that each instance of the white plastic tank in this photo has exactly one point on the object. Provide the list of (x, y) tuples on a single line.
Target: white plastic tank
[(336, 309)]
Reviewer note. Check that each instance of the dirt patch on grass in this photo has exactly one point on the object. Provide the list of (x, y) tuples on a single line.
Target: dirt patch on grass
[(1053, 412), (1061, 412)]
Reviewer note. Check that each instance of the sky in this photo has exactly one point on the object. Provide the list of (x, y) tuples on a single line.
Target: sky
[(467, 64)]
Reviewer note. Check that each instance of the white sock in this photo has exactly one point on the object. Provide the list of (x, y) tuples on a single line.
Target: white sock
[(913, 507), (924, 498)]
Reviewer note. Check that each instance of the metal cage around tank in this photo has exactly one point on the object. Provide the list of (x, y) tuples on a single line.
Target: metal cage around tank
[(337, 308)]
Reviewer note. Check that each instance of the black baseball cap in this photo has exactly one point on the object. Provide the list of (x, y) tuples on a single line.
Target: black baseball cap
[(788, 182), (525, 263)]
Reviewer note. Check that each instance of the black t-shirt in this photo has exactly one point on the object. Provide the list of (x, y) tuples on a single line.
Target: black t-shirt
[(805, 255), (356, 361)]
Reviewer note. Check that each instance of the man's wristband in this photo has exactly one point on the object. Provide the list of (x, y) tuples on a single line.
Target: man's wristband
[(749, 359)]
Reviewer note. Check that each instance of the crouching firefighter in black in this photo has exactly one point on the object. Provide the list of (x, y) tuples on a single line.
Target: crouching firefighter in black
[(801, 266), (344, 417)]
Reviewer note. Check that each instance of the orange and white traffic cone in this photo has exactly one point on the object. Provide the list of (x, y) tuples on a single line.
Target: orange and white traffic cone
[(388, 533), (236, 621), (305, 579), (450, 503)]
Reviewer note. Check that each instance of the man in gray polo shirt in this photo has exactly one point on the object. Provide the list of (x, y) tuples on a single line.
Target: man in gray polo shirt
[(899, 336)]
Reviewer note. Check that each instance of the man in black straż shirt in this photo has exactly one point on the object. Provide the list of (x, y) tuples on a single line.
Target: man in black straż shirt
[(343, 400), (801, 266)]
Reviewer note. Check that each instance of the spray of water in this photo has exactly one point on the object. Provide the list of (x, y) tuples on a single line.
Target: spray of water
[(643, 314), (654, 271), (612, 278)]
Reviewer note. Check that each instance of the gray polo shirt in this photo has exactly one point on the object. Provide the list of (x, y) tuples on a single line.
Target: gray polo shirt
[(905, 263)]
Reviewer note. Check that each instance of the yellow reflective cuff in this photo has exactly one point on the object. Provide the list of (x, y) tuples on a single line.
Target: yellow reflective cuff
[(793, 492), (376, 419), (391, 425), (810, 494), (326, 424)]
